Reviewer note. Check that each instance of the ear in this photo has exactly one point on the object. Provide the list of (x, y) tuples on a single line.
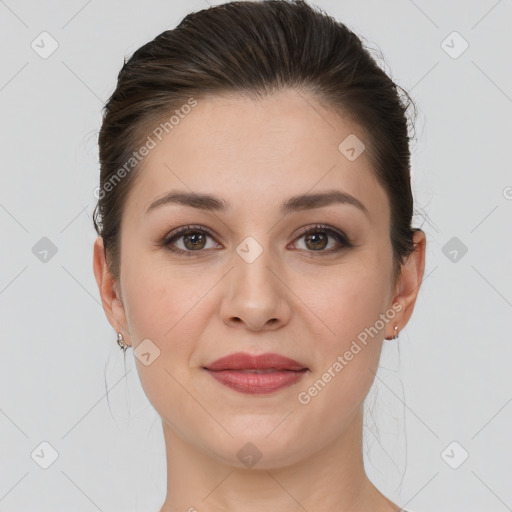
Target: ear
[(109, 291), (410, 279)]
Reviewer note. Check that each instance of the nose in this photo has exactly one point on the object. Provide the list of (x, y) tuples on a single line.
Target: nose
[(255, 296)]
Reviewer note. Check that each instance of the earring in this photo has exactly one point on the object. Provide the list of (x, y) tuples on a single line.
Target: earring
[(121, 342), (396, 334)]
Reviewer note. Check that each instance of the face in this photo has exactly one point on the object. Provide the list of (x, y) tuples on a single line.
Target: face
[(309, 282)]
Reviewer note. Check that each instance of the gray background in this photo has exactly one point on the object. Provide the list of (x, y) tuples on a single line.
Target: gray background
[(446, 380)]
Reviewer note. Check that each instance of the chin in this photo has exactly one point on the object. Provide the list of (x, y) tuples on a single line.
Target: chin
[(262, 447)]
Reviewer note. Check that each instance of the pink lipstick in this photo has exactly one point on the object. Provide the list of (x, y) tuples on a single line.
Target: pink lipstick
[(256, 374)]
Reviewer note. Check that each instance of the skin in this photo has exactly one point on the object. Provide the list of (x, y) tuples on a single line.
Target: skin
[(294, 300)]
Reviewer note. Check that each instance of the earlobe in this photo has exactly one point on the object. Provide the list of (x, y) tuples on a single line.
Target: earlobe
[(108, 288)]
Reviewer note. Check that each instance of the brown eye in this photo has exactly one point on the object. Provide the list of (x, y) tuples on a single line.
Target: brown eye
[(195, 240), (192, 240), (316, 239)]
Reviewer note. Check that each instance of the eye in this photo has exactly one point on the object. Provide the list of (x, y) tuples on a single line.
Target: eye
[(193, 239), (316, 239)]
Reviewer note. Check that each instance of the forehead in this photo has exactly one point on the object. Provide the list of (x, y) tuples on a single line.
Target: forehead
[(255, 153)]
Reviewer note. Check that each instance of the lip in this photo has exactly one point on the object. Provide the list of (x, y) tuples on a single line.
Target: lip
[(256, 374), (245, 361)]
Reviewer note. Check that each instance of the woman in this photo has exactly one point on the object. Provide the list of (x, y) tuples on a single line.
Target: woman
[(255, 249)]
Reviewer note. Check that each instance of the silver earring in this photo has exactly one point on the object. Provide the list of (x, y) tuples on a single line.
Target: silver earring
[(121, 342), (396, 333)]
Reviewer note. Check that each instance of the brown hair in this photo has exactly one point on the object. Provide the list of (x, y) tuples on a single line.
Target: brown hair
[(256, 48)]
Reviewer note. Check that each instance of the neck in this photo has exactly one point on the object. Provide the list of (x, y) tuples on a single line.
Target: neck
[(333, 479)]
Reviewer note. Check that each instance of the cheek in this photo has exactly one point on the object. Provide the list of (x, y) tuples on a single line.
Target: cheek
[(343, 302), (168, 309), (157, 297), (348, 338), (160, 310), (348, 359)]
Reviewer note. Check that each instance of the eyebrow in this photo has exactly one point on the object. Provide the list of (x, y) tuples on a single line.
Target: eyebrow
[(296, 203)]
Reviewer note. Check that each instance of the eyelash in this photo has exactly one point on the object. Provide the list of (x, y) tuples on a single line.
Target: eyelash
[(339, 236)]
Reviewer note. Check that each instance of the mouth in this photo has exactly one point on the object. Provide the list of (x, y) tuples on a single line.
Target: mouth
[(256, 374)]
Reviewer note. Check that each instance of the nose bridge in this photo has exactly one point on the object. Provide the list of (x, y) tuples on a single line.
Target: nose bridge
[(256, 295), (253, 264)]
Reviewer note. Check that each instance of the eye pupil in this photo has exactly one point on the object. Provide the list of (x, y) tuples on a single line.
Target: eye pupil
[(322, 238), (196, 243)]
